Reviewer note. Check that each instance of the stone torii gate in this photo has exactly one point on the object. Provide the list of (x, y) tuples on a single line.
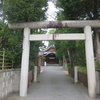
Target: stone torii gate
[(87, 36)]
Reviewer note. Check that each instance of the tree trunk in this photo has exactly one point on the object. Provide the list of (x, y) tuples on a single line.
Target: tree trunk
[(70, 53), (69, 57), (64, 61)]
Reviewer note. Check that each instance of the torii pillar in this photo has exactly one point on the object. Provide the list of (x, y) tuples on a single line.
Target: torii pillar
[(90, 62), (25, 63)]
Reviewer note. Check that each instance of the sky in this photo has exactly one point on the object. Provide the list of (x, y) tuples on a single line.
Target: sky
[(51, 12), (51, 15)]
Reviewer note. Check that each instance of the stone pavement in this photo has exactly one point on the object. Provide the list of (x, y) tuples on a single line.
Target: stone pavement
[(54, 84)]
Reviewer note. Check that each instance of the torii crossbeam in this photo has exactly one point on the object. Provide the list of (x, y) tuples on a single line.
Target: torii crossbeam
[(56, 24)]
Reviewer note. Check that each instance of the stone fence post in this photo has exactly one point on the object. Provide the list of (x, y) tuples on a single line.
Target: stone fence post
[(35, 73), (75, 74)]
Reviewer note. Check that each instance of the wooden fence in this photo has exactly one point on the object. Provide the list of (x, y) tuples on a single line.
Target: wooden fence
[(30, 77), (81, 77), (4, 61)]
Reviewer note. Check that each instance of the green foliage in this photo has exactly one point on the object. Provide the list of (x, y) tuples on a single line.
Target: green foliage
[(82, 69), (31, 65), (11, 42), (5, 62), (97, 65), (13, 11), (80, 9), (68, 65), (79, 55), (52, 31), (34, 49), (73, 50), (4, 33), (25, 10), (76, 10)]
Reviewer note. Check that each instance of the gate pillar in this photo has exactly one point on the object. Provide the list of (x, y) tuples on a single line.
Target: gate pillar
[(25, 63), (90, 62)]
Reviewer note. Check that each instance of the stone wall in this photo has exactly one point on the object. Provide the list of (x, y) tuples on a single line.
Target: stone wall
[(9, 81)]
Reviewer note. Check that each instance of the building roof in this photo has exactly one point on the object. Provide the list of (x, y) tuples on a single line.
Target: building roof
[(52, 46), (47, 51)]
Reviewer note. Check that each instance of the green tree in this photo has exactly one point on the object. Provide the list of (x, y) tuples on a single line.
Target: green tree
[(20, 11), (11, 43), (25, 10), (69, 48), (84, 10), (4, 33)]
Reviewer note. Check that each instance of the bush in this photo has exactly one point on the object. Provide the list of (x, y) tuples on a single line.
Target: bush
[(31, 65), (82, 69), (97, 64)]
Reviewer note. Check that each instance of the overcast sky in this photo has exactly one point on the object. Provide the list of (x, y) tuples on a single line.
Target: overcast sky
[(51, 12), (51, 15)]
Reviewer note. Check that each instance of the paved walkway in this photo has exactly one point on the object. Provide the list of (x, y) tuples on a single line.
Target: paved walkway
[(54, 84)]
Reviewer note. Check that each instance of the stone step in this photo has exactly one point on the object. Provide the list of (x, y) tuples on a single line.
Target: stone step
[(52, 64)]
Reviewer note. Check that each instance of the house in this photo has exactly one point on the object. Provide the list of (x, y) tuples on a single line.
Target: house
[(49, 55)]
